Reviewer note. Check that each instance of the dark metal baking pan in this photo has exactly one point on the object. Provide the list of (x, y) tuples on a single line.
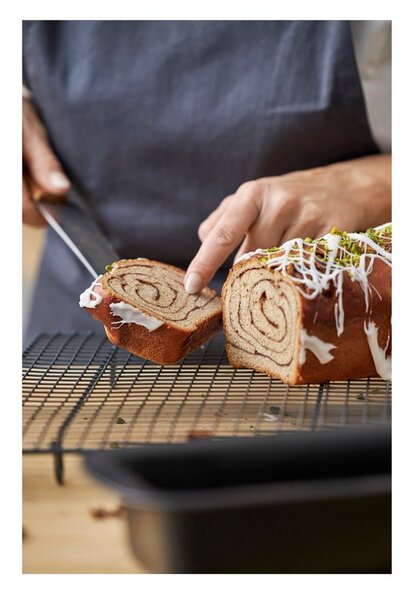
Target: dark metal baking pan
[(295, 503)]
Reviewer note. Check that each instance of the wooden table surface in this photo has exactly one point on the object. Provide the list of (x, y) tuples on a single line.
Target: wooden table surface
[(61, 532)]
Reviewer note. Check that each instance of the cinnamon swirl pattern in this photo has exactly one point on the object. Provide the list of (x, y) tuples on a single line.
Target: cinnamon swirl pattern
[(260, 320), (313, 310), (156, 289), (144, 308)]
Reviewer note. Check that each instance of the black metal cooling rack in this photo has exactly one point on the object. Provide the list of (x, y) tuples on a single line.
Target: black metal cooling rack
[(81, 393)]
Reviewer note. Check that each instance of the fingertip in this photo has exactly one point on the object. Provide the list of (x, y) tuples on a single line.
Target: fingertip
[(58, 181), (193, 283), (52, 182)]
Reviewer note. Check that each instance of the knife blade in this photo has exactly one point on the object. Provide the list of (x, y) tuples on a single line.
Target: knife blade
[(74, 223)]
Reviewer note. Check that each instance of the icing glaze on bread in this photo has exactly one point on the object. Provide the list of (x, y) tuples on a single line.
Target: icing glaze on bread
[(144, 308), (313, 310)]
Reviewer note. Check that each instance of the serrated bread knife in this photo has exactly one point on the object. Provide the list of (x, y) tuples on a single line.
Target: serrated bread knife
[(73, 221)]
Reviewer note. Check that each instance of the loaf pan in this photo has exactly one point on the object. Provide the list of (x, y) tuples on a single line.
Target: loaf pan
[(295, 503)]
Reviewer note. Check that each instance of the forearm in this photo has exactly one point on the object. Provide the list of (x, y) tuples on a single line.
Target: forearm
[(368, 181), (351, 195)]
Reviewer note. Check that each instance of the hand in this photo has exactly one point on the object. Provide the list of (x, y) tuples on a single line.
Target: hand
[(351, 195), (42, 170)]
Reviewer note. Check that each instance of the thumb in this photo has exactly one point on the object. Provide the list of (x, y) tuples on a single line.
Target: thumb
[(43, 166)]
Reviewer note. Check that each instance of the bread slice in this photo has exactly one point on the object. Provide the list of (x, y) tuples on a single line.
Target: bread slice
[(145, 309), (313, 310)]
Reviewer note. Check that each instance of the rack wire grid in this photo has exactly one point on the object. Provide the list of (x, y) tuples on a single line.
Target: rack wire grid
[(81, 393)]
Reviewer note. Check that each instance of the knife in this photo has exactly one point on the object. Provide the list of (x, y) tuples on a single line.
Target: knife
[(75, 224)]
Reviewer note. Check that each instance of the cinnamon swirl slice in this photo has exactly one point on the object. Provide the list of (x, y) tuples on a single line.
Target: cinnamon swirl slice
[(313, 310), (145, 309)]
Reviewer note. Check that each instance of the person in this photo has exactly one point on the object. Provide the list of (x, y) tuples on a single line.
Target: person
[(247, 133)]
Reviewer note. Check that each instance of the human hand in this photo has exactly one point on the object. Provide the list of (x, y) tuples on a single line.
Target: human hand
[(351, 195), (42, 171)]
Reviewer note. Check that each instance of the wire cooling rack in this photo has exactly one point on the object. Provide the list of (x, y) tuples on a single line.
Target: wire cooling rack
[(81, 393)]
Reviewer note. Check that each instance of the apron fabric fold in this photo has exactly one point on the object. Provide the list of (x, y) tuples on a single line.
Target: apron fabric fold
[(158, 121)]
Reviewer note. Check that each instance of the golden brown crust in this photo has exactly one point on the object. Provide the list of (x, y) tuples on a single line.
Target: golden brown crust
[(166, 345), (352, 357)]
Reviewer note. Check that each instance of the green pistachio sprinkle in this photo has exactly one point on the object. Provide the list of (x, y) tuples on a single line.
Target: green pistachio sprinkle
[(110, 267), (349, 252), (337, 231)]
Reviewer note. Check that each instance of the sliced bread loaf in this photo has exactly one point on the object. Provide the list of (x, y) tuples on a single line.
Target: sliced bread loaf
[(313, 310), (144, 308)]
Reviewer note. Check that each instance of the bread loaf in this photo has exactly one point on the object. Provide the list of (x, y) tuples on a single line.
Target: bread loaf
[(313, 310), (145, 309)]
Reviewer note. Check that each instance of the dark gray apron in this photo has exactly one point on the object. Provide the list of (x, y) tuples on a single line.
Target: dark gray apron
[(158, 121)]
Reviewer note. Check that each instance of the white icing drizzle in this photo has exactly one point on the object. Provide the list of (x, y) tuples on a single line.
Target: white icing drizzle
[(125, 312), (382, 362), (90, 298), (301, 256), (128, 314), (248, 255), (322, 350)]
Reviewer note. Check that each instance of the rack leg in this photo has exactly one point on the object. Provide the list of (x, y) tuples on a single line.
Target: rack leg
[(58, 465), (317, 406)]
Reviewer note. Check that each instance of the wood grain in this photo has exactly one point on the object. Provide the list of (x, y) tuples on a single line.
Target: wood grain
[(60, 533)]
